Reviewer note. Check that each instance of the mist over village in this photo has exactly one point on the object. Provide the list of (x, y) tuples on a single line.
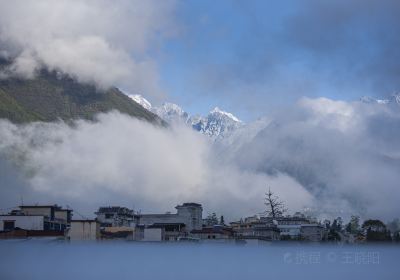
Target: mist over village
[(199, 139)]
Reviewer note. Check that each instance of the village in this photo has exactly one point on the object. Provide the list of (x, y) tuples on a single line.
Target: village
[(186, 225)]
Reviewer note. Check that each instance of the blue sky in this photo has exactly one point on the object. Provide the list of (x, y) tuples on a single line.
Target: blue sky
[(250, 57)]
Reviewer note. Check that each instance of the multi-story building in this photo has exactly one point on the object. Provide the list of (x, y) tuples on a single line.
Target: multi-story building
[(216, 232), (312, 232), (187, 218), (116, 216), (37, 217), (255, 229)]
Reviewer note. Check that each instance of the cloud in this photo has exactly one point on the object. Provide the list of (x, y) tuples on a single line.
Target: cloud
[(119, 160), (334, 158), (344, 153), (94, 41)]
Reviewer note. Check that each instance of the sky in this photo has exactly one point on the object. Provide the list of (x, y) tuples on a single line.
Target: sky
[(249, 57)]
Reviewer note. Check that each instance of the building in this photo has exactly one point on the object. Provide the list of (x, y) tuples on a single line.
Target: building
[(116, 216), (24, 233), (312, 232), (152, 235), (290, 231), (289, 226), (216, 232), (187, 218), (84, 230), (37, 217), (266, 231), (255, 228), (297, 227), (11, 222)]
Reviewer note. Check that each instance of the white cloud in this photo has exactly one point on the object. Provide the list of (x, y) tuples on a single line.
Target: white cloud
[(121, 160), (93, 41), (338, 158), (345, 154)]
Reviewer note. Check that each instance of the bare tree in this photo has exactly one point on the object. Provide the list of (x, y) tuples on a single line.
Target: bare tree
[(275, 206)]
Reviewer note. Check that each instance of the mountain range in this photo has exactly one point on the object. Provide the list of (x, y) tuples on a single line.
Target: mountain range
[(50, 96), (217, 124)]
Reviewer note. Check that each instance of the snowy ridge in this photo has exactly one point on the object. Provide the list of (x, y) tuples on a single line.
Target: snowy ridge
[(171, 112), (229, 115), (141, 100), (217, 124), (394, 99)]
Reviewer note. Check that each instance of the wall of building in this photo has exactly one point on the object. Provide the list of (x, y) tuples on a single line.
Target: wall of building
[(149, 219), (115, 220), (63, 215), (37, 211), (312, 233), (24, 222), (291, 230), (192, 215), (84, 230), (152, 234), (211, 235), (189, 215)]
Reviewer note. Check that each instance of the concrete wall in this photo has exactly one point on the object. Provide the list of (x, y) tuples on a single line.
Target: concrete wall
[(39, 211), (63, 215), (149, 219), (84, 230), (215, 236), (312, 233), (191, 216), (291, 230), (152, 234), (24, 222)]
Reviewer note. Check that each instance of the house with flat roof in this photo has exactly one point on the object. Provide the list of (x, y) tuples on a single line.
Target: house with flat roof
[(255, 228), (189, 216), (37, 217), (216, 232)]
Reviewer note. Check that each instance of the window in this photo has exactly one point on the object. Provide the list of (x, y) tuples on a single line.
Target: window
[(8, 225)]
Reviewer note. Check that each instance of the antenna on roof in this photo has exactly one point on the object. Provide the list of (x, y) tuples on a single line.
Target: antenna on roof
[(22, 200)]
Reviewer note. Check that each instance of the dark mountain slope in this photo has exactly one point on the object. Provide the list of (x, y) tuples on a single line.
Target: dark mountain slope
[(49, 97)]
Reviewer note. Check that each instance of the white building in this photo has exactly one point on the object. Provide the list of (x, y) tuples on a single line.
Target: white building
[(37, 217), (189, 214), (84, 230), (10, 222), (153, 234), (290, 230)]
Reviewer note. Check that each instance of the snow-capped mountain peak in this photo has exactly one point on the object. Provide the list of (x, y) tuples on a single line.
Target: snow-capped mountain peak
[(172, 108), (217, 110), (394, 99), (217, 124), (141, 101), (171, 112)]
